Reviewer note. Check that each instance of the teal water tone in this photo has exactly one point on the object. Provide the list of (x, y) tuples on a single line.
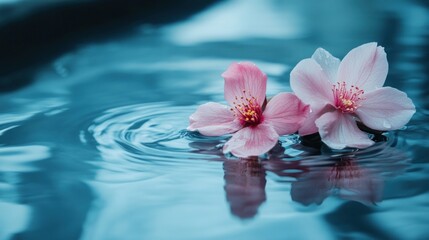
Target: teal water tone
[(95, 146)]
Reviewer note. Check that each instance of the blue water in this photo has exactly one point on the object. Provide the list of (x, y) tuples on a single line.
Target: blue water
[(96, 146)]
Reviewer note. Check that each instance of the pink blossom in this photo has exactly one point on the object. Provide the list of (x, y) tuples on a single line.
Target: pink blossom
[(342, 92), (256, 128)]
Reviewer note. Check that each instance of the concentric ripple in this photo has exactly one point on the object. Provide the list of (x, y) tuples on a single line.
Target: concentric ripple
[(156, 133), (147, 133)]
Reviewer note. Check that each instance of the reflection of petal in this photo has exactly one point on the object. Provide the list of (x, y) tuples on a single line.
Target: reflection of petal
[(357, 184), (244, 186), (350, 181), (312, 188)]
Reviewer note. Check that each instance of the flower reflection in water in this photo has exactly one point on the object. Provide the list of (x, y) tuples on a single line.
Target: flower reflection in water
[(244, 186), (354, 176), (345, 179), (244, 180)]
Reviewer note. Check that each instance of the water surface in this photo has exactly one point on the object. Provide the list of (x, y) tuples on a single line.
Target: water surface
[(96, 146)]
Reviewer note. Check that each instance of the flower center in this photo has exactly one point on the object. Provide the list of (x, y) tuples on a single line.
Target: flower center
[(347, 99), (247, 110)]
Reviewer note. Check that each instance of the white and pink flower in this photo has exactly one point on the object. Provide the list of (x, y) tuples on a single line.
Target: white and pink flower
[(342, 92), (256, 127)]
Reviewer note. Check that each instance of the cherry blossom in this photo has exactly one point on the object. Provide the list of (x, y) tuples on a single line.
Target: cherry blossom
[(256, 125), (340, 93)]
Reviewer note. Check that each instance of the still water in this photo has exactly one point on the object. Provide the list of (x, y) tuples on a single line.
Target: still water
[(96, 146)]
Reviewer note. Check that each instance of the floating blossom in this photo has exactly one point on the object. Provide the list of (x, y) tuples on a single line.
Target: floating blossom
[(341, 93), (256, 127)]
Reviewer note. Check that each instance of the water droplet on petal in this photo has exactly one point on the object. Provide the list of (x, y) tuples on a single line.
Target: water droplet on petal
[(386, 124)]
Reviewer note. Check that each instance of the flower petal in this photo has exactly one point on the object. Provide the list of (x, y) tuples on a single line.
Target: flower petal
[(339, 130), (285, 112), (386, 109), (310, 83), (328, 63), (252, 141), (247, 77), (213, 119), (365, 66), (309, 124)]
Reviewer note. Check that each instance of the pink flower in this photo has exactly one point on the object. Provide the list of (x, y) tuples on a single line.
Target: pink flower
[(256, 128), (341, 93)]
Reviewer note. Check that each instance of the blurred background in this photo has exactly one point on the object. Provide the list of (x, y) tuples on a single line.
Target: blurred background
[(94, 102), (33, 33)]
